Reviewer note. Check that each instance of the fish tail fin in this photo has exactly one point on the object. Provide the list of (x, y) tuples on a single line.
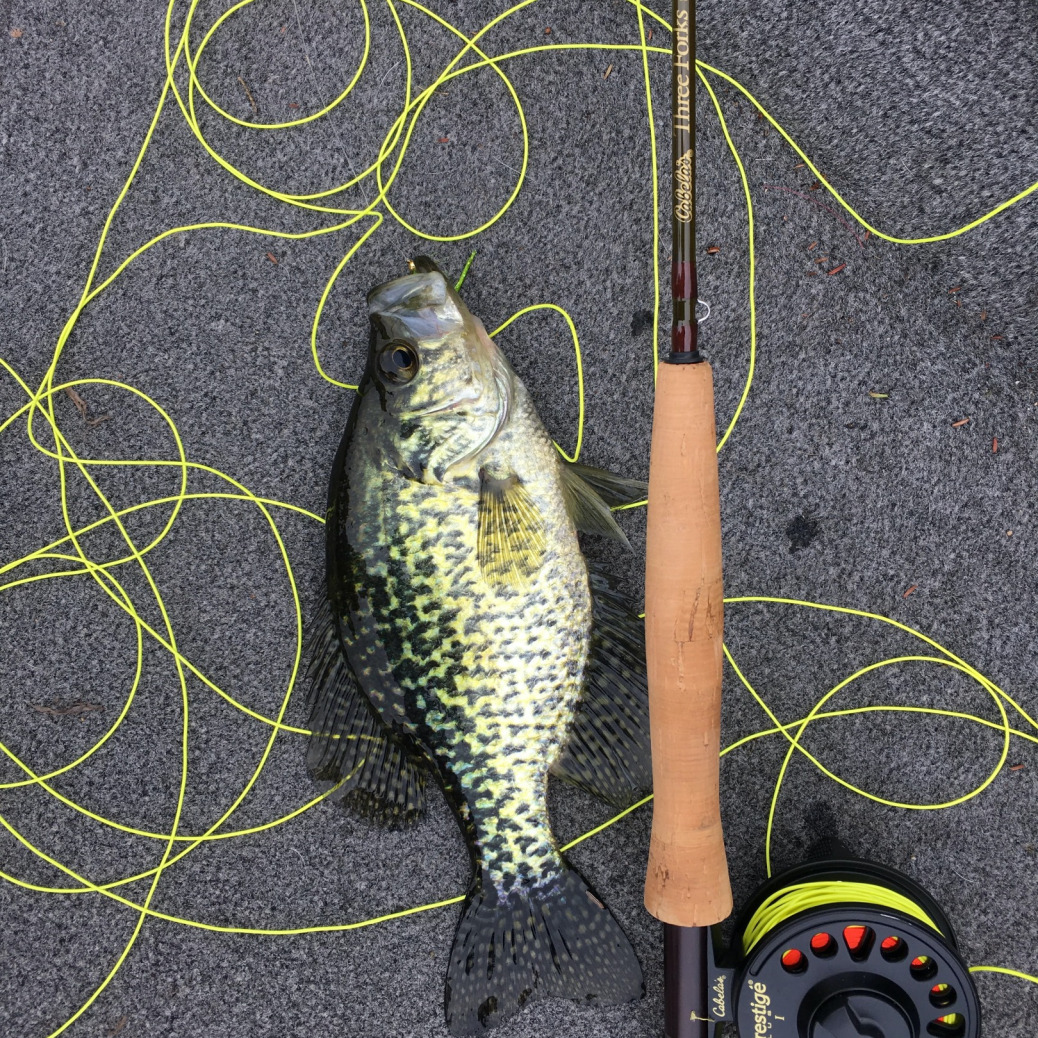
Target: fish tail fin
[(554, 939)]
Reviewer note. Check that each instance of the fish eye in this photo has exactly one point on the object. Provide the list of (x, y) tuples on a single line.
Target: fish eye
[(398, 361)]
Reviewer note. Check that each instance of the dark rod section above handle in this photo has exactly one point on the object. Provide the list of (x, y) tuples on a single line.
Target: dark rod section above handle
[(687, 989), (684, 331)]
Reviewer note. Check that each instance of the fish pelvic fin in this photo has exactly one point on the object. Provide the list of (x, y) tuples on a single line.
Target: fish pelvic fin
[(556, 939), (511, 541), (608, 749), (589, 492), (381, 779)]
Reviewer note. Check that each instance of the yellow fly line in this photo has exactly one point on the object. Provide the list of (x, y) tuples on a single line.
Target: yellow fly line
[(67, 556), (802, 897)]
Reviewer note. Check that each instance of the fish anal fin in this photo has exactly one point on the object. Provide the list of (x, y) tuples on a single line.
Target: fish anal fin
[(554, 939), (608, 750), (510, 541), (381, 779)]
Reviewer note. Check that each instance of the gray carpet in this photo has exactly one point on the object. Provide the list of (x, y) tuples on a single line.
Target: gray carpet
[(921, 114)]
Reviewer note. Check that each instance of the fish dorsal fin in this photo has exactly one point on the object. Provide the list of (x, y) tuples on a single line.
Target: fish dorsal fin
[(589, 493), (607, 752), (384, 782), (511, 540)]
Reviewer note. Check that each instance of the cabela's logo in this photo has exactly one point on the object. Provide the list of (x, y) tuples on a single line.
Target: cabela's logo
[(684, 198), (717, 1006)]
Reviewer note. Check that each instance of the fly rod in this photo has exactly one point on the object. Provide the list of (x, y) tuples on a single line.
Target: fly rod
[(687, 885), (838, 947)]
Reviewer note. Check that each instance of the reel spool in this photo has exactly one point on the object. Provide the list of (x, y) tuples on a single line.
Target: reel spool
[(842, 948)]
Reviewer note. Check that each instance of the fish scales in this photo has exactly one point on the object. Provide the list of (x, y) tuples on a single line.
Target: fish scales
[(458, 640), (488, 686)]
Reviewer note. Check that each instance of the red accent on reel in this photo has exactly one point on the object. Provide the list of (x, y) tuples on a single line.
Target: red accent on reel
[(923, 967), (859, 940)]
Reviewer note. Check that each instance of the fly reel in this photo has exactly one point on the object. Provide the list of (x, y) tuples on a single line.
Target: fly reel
[(839, 948)]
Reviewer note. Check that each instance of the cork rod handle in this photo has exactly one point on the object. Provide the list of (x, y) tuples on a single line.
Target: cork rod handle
[(687, 877)]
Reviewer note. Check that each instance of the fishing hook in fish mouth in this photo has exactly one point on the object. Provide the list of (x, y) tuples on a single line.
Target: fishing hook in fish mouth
[(423, 265)]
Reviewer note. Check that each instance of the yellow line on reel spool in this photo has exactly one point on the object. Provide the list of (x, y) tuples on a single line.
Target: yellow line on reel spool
[(800, 897)]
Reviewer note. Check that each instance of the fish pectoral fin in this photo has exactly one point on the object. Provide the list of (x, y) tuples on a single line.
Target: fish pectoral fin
[(608, 750), (555, 939), (511, 542), (589, 492), (380, 778)]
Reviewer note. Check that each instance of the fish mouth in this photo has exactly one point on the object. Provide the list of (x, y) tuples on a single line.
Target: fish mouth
[(424, 286), (409, 292), (417, 306)]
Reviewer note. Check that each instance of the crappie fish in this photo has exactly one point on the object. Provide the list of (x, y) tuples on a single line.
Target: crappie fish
[(464, 636)]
